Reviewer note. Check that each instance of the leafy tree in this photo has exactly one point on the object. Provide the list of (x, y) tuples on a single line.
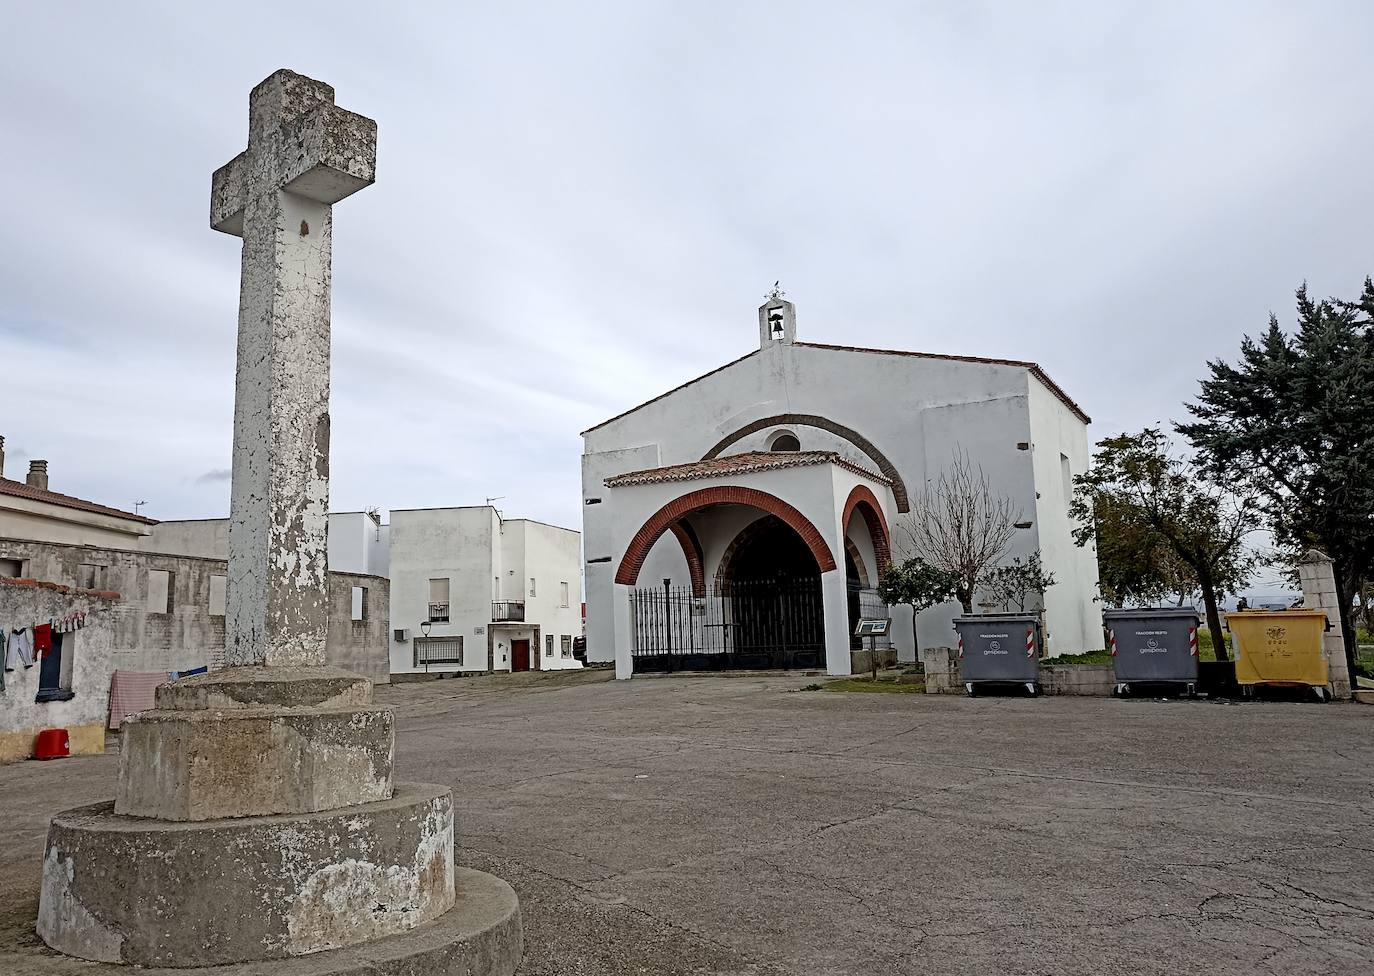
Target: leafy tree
[(1162, 499), (918, 585), (959, 525), (1135, 565), (1017, 581), (1294, 419)]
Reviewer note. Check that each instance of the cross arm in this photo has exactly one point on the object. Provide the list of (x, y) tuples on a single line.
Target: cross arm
[(228, 190), (331, 153), (325, 155)]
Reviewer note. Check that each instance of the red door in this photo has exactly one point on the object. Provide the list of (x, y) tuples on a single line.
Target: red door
[(519, 655)]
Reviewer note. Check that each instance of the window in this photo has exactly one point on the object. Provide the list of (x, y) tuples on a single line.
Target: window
[(563, 595), (567, 645), (358, 603), (785, 442), (89, 576), (12, 568), (219, 594), (160, 583), (548, 645), (438, 601), (531, 586), (1066, 474), (438, 650)]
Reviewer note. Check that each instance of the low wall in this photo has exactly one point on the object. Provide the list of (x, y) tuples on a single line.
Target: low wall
[(942, 675), (1077, 679), (86, 656), (184, 633), (861, 663)]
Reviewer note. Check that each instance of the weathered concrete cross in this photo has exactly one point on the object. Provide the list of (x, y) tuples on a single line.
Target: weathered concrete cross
[(304, 154)]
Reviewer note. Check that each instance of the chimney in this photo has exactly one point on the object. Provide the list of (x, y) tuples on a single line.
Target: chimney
[(38, 475), (2, 456)]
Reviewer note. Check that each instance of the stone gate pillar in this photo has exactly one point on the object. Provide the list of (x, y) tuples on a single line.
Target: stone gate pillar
[(1318, 581)]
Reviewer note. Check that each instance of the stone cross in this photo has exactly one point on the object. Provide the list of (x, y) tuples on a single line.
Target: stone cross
[(304, 155)]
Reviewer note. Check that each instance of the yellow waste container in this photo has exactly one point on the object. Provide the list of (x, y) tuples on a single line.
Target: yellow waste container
[(1279, 647)]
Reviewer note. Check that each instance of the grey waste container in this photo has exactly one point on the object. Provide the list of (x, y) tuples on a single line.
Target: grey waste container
[(999, 647), (1153, 646)]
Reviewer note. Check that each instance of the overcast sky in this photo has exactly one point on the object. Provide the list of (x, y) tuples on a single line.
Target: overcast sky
[(580, 205)]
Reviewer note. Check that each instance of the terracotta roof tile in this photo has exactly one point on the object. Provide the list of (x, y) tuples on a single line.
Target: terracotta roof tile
[(20, 489), (740, 464)]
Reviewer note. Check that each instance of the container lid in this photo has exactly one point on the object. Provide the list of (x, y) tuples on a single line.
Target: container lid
[(1008, 618), (1188, 612)]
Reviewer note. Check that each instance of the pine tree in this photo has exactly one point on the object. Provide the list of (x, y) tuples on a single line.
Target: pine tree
[(1294, 420)]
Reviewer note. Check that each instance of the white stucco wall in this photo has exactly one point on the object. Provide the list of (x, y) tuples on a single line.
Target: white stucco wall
[(86, 658), (27, 518), (443, 543), (357, 544), (916, 410), (1072, 612), (474, 548), (202, 538)]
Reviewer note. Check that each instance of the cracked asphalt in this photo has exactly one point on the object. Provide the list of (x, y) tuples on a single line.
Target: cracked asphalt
[(736, 825)]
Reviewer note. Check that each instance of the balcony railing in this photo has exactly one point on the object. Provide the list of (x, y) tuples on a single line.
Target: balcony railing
[(438, 613), (507, 610)]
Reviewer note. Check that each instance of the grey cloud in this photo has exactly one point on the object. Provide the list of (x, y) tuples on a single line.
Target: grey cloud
[(579, 206)]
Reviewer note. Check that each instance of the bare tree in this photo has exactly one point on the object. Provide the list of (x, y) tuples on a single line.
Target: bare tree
[(960, 525)]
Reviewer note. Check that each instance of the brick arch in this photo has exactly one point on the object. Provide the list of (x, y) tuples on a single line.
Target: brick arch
[(691, 551), (889, 470), (863, 501), (678, 508), (859, 565)]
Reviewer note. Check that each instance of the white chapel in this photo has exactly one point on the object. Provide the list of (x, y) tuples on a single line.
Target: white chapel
[(742, 519)]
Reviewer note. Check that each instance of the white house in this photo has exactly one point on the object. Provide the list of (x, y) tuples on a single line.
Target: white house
[(471, 591), (742, 519)]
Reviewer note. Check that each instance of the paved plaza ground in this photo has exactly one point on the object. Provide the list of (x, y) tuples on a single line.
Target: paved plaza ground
[(737, 825)]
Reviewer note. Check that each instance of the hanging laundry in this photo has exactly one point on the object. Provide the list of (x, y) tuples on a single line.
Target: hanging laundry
[(42, 640), (132, 691), (19, 649)]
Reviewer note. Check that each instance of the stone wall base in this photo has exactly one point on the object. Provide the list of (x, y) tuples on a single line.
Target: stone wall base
[(859, 662), (86, 740)]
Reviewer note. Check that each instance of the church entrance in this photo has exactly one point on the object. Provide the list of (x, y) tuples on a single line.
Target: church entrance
[(763, 610)]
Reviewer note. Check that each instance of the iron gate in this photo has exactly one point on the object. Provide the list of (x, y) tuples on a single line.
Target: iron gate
[(744, 624)]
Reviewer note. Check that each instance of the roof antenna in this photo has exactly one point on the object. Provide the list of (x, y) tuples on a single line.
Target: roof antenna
[(138, 505)]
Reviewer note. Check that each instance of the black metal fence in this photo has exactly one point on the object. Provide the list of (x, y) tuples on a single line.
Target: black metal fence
[(767, 623)]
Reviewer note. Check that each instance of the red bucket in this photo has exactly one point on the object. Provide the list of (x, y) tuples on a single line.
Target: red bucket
[(52, 744)]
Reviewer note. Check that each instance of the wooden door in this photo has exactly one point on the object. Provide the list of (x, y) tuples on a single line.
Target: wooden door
[(519, 655)]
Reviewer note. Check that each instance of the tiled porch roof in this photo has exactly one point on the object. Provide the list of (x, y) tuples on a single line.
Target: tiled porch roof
[(20, 489), (741, 464)]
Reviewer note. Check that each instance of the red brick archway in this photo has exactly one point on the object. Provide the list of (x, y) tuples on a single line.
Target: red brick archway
[(662, 520), (691, 551), (863, 501)]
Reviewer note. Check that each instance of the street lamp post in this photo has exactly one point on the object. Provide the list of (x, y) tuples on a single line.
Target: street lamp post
[(424, 631)]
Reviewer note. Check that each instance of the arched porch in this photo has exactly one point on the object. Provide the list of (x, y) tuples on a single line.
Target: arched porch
[(735, 577)]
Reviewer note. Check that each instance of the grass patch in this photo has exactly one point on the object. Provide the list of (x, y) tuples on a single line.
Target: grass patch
[(886, 684), (1087, 657)]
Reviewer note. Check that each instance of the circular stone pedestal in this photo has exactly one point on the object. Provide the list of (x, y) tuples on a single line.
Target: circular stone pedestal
[(213, 892), (480, 936)]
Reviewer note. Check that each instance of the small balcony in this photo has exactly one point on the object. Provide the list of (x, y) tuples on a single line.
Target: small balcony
[(438, 613), (508, 611)]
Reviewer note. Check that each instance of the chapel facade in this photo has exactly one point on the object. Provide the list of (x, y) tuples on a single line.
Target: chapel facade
[(742, 520)]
